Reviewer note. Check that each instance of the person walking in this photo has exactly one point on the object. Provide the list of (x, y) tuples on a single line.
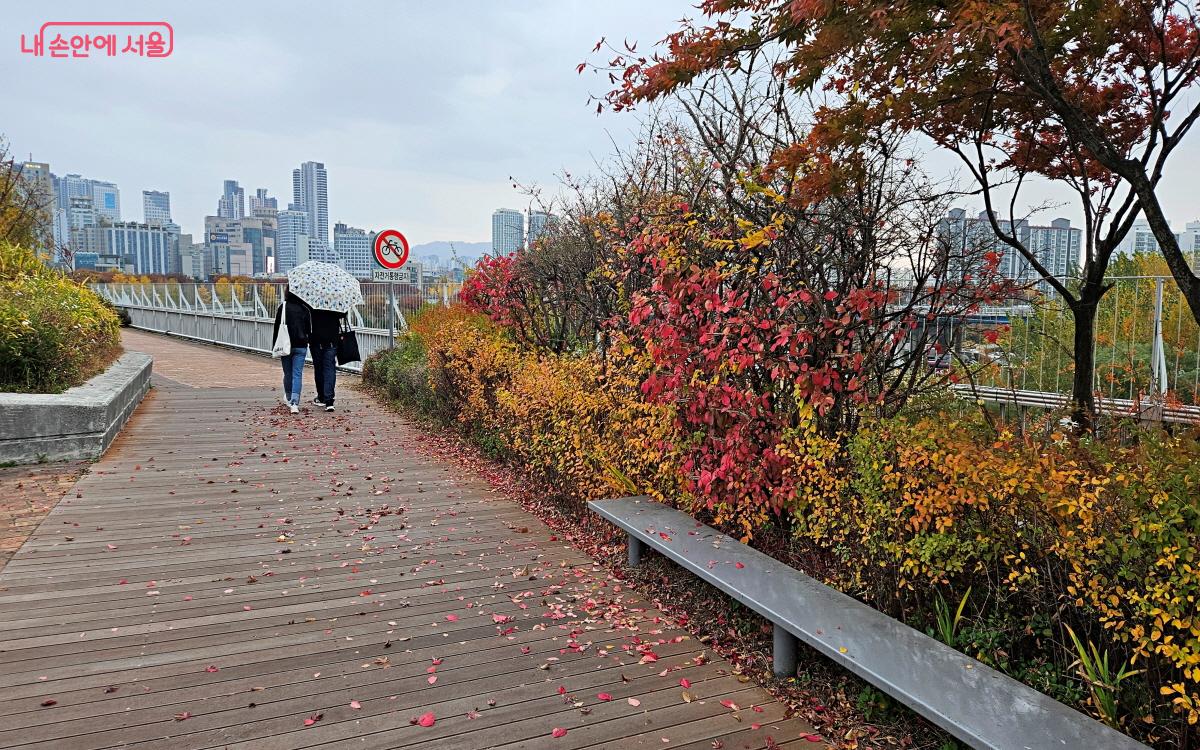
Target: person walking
[(298, 326), (326, 333)]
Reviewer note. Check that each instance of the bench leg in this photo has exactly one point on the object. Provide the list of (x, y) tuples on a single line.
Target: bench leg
[(635, 551), (784, 660)]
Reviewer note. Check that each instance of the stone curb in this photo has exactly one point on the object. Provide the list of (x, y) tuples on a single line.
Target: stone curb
[(78, 424)]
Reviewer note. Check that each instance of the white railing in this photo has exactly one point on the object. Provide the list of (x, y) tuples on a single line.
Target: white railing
[(242, 315)]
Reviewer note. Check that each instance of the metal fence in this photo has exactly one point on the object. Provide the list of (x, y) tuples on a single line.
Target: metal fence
[(1147, 347), (242, 315)]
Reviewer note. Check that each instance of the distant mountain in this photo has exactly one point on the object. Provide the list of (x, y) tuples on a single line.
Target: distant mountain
[(467, 251)]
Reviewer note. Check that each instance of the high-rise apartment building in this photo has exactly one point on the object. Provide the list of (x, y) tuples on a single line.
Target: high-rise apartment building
[(38, 182), (310, 193), (156, 207), (508, 231), (1189, 243), (224, 247), (263, 205), (354, 250), (190, 258), (107, 198), (537, 226), (292, 226), (84, 226), (232, 203), (39, 187), (1056, 246), (148, 248), (261, 234), (71, 186)]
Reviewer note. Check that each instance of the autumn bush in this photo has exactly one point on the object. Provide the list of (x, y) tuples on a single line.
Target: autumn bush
[(573, 423), (748, 324), (1046, 531), (54, 332)]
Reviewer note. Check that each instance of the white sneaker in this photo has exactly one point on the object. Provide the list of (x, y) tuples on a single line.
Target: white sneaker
[(328, 407), (293, 408)]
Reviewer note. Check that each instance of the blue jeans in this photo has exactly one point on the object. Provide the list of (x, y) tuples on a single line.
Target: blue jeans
[(325, 371), (293, 373)]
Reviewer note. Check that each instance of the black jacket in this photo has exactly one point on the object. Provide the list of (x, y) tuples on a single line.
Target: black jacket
[(299, 321), (326, 327)]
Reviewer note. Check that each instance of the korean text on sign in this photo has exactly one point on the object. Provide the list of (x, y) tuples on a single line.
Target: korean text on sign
[(61, 39)]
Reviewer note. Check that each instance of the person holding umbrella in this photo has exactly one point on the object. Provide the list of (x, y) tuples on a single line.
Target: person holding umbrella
[(330, 293), (293, 328), (326, 333)]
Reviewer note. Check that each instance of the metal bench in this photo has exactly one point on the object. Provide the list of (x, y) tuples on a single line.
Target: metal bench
[(971, 701)]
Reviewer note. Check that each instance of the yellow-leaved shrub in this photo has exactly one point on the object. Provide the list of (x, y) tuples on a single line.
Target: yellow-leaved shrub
[(1047, 532)]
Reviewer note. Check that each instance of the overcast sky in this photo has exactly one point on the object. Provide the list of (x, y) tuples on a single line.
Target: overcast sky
[(420, 110)]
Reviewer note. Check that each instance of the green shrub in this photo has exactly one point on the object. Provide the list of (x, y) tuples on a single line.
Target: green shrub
[(401, 374), (54, 333)]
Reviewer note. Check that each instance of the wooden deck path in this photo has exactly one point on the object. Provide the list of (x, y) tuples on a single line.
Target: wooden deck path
[(232, 576)]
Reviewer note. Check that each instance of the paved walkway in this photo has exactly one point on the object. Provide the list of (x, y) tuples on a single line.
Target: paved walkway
[(233, 576)]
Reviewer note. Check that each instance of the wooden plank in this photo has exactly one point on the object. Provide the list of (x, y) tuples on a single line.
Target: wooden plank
[(441, 569)]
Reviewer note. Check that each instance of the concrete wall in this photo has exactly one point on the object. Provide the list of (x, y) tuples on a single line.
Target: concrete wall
[(78, 424)]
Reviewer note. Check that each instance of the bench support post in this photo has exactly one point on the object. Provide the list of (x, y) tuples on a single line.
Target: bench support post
[(635, 551), (784, 658)]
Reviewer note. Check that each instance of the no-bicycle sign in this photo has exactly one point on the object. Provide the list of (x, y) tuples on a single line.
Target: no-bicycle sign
[(391, 249)]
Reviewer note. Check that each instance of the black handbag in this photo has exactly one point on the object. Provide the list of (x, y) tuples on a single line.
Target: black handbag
[(347, 348)]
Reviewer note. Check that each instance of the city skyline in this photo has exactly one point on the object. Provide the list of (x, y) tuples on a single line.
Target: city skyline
[(426, 143)]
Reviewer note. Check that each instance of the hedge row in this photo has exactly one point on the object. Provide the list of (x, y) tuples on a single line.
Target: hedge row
[(54, 333)]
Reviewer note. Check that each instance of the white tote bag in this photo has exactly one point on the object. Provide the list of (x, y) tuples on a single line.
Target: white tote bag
[(283, 342)]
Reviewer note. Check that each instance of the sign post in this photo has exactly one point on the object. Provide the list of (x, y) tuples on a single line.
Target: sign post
[(391, 253)]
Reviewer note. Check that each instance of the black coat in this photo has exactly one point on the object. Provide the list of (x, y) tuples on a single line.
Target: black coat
[(326, 327), (299, 321)]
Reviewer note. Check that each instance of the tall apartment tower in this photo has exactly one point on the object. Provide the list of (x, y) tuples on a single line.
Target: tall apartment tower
[(71, 186), (508, 231), (291, 238), (1056, 246), (310, 193), (232, 204), (354, 249), (536, 225), (263, 205), (156, 207), (107, 198)]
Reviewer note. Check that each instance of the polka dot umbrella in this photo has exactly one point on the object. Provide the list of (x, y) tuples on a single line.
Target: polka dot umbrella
[(324, 286)]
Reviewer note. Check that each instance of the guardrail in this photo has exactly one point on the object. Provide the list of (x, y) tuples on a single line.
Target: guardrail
[(242, 316), (1145, 410)]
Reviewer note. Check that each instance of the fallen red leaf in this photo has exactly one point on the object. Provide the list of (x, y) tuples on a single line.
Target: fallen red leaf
[(558, 732), (426, 719)]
